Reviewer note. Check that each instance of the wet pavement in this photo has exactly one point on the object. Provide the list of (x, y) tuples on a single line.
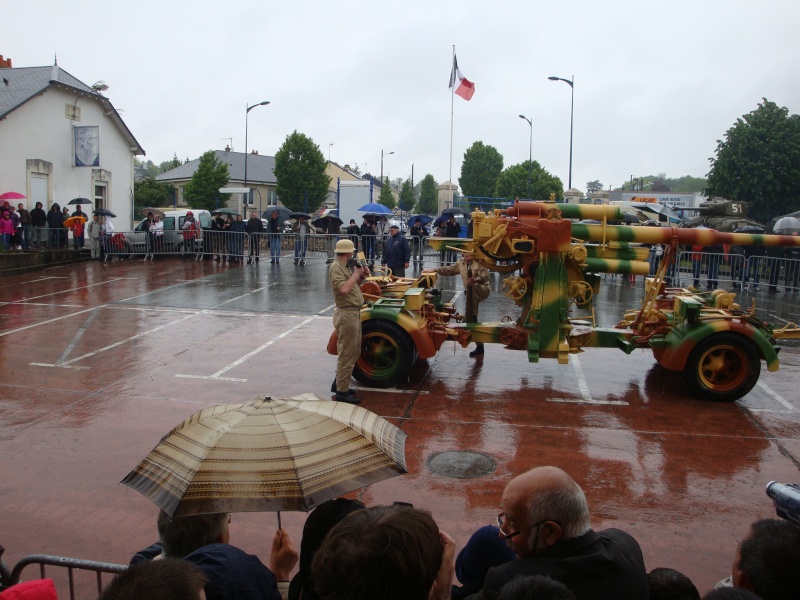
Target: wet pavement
[(100, 360)]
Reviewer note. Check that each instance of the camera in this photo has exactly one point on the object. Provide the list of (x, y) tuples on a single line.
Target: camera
[(786, 497), (353, 262)]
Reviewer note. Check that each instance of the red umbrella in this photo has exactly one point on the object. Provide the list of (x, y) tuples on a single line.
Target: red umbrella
[(12, 196)]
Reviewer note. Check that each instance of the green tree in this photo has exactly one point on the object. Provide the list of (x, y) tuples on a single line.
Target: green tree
[(387, 197), (759, 162), (168, 165), (147, 192), (594, 186), (203, 189), (406, 201), (479, 172), (300, 171), (428, 196), (513, 183)]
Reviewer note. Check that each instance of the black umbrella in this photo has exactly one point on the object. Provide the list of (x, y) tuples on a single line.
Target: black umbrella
[(319, 221), (103, 212), (225, 211), (80, 201), (297, 215), (629, 218), (453, 210), (283, 213)]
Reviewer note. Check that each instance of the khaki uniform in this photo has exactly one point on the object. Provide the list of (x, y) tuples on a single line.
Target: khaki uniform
[(346, 322), (476, 293)]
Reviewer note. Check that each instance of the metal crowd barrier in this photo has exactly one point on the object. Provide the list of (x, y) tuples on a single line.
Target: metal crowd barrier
[(72, 566), (712, 270)]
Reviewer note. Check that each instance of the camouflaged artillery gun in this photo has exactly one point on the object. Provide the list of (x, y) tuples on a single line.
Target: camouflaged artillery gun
[(555, 266)]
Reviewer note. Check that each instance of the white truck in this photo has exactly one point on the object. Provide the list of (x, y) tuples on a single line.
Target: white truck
[(350, 196)]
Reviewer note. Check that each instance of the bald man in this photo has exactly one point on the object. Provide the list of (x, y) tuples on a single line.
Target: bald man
[(545, 520)]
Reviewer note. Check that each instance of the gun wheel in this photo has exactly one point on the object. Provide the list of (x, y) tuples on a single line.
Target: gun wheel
[(723, 367), (387, 354), (515, 287), (580, 291)]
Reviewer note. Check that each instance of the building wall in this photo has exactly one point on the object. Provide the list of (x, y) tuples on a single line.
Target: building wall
[(36, 140)]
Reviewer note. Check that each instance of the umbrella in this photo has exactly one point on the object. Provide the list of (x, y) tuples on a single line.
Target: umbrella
[(225, 211), (330, 212), (11, 196), (104, 212), (659, 209), (423, 219), (373, 208), (72, 220), (297, 215), (318, 222), (156, 212), (283, 213), (749, 229), (80, 201), (452, 210), (268, 455), (630, 218), (786, 224)]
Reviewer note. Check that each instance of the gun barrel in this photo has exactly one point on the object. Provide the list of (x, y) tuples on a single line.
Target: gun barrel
[(522, 209), (665, 235), (614, 265)]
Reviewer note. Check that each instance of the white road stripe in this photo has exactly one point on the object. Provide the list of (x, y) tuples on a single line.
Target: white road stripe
[(775, 396), (236, 363)]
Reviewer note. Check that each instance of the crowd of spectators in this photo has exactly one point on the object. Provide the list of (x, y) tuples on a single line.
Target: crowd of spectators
[(543, 548)]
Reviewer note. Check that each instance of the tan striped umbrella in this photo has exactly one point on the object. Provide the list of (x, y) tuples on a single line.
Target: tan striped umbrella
[(269, 455)]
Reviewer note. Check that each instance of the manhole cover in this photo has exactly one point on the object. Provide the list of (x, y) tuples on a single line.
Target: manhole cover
[(461, 465)]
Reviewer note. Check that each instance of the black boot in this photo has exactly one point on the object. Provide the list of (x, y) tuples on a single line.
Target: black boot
[(477, 352)]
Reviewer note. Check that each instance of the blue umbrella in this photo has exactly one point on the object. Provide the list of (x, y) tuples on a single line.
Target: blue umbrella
[(373, 208), (423, 219)]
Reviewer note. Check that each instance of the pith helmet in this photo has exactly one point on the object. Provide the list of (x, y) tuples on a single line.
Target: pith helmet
[(344, 247)]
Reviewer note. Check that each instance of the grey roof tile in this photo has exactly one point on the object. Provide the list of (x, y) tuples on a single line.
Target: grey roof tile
[(260, 169)]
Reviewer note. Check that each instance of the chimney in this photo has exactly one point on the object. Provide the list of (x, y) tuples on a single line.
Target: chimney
[(227, 148), (5, 63), (254, 152)]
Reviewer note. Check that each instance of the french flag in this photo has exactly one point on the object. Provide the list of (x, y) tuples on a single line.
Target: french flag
[(464, 87)]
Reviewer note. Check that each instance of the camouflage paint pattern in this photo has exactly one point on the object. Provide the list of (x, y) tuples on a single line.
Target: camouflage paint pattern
[(558, 263)]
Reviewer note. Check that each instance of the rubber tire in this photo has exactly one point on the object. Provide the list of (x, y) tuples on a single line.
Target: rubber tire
[(387, 354), (723, 367)]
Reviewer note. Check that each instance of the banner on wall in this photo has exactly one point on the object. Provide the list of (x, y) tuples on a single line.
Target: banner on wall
[(87, 145)]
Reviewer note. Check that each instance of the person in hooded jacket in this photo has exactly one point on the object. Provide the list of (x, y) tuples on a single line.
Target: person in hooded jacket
[(55, 221), (254, 228)]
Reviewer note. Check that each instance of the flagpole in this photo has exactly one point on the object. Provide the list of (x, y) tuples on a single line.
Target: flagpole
[(452, 97)]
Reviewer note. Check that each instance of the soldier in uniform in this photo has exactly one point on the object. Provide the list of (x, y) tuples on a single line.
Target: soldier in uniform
[(346, 317)]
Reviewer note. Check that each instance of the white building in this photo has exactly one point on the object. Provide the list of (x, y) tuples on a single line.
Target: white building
[(60, 139)]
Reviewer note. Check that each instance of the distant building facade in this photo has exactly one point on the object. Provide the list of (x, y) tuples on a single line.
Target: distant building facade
[(61, 139)]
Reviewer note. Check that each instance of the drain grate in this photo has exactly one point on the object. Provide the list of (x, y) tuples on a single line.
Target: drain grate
[(461, 464)]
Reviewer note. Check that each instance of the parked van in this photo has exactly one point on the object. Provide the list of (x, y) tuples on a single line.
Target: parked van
[(173, 225)]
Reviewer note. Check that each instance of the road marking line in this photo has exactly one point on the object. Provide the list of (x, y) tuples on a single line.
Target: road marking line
[(586, 396), (83, 287), (49, 304), (236, 363), (78, 335), (60, 366), (581, 401), (390, 391), (130, 339), (775, 396), (247, 294)]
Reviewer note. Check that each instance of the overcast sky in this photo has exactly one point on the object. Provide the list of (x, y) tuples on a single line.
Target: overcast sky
[(656, 83)]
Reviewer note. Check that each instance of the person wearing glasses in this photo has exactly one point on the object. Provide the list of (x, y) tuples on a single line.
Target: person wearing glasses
[(544, 519)]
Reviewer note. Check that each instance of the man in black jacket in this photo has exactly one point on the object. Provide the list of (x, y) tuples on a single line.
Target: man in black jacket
[(545, 520), (254, 230), (39, 223)]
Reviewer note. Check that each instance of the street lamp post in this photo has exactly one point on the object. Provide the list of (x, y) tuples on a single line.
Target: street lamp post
[(571, 83), (247, 112), (329, 151), (530, 156), (382, 155)]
